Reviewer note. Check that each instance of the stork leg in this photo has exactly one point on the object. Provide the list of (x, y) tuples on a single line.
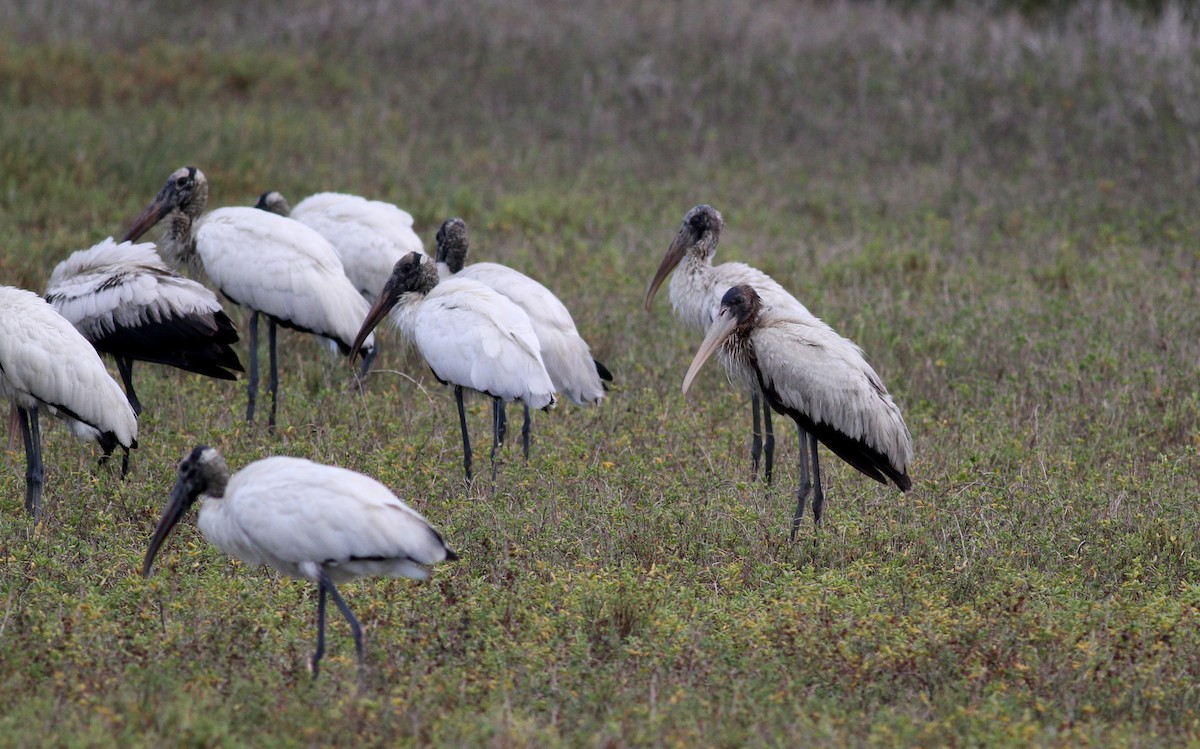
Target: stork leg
[(497, 409), (125, 367), (325, 585), (273, 382), (462, 423), (252, 381), (818, 492), (755, 435), (525, 432), (31, 434), (502, 407), (768, 442), (805, 484)]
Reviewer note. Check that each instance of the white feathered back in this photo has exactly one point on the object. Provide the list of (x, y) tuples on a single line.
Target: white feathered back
[(46, 362), (823, 375), (123, 285)]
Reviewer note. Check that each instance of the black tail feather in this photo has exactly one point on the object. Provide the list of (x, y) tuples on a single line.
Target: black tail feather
[(605, 376)]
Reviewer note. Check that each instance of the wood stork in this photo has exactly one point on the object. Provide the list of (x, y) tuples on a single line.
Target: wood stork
[(370, 236), (307, 520), (567, 356), (272, 265), (818, 378), (695, 292), (126, 301), (45, 362), (470, 335)]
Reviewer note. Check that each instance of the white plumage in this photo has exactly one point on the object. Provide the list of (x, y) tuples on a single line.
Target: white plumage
[(696, 289), (126, 301), (470, 335), (46, 363), (281, 268), (370, 236), (567, 356), (265, 262), (818, 378), (307, 520)]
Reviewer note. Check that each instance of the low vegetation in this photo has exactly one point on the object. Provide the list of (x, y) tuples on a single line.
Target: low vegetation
[(1000, 210)]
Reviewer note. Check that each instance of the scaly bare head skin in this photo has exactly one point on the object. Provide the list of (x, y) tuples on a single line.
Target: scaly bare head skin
[(453, 242), (412, 273), (700, 232), (202, 472), (186, 191), (274, 202), (739, 304)]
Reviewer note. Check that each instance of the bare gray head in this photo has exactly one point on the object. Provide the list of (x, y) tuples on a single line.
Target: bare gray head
[(415, 272), (202, 473), (740, 308), (697, 236), (274, 202), (184, 196), (453, 242)]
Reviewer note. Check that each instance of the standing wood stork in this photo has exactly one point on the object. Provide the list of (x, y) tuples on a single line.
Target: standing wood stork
[(272, 265), (471, 337), (818, 378), (370, 236), (45, 362), (307, 520), (695, 292), (126, 301), (567, 356)]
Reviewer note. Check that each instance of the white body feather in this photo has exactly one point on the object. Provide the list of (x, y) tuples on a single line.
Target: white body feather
[(567, 357), (282, 268), (299, 517), (473, 336), (824, 376), (368, 235), (46, 363), (124, 285), (696, 289)]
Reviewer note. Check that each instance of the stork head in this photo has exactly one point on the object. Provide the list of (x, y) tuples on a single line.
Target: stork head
[(202, 472), (413, 273), (453, 243), (699, 234), (274, 202), (186, 191), (739, 309)]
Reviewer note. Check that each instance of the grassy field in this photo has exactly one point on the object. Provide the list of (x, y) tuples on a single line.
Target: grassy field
[(1002, 215)]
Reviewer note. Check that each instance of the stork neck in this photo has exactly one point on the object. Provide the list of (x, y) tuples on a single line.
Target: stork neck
[(179, 241)]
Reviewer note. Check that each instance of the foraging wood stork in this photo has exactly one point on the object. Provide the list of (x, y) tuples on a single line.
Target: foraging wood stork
[(695, 292), (45, 362), (370, 236), (818, 378), (470, 335), (272, 265), (126, 301), (307, 520), (567, 357)]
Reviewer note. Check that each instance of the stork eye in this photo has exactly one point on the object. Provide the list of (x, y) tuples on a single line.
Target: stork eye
[(181, 182)]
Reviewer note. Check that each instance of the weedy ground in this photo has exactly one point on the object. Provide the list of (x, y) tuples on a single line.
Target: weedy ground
[(1001, 214)]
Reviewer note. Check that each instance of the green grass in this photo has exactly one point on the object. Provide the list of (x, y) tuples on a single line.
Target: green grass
[(1001, 215)]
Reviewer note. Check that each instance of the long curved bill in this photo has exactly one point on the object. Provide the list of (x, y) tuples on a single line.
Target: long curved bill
[(176, 507), (378, 311), (674, 254), (720, 330), (151, 216)]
